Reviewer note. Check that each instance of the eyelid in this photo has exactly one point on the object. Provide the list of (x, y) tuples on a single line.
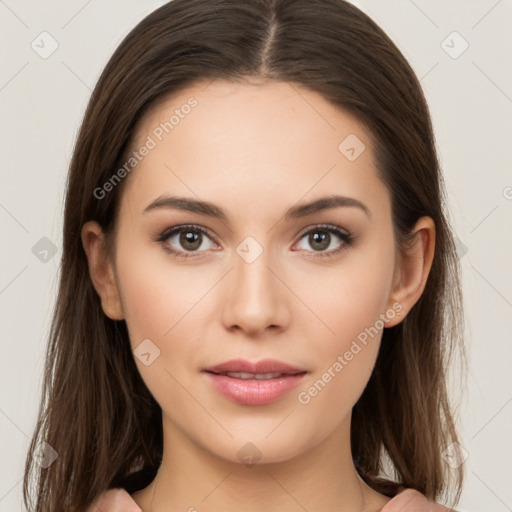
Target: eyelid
[(166, 233), (321, 226)]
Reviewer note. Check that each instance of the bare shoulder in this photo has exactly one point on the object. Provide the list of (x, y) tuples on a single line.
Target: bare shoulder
[(411, 500), (114, 500)]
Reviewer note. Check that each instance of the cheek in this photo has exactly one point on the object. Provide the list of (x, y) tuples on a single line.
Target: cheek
[(352, 305), (161, 303), (350, 298), (158, 296)]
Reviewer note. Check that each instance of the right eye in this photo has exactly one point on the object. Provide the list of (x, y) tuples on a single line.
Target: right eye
[(190, 237)]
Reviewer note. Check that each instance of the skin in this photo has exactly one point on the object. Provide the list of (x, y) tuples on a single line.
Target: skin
[(255, 150)]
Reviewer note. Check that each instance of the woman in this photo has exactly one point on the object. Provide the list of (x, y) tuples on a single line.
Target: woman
[(259, 291)]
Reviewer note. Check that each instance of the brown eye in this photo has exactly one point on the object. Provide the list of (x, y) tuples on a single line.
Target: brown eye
[(183, 241), (190, 240), (322, 239), (319, 240)]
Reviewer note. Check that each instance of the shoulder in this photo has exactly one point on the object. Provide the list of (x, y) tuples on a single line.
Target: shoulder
[(410, 500), (114, 500)]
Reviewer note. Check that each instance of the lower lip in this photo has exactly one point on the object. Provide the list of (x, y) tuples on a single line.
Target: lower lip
[(254, 391)]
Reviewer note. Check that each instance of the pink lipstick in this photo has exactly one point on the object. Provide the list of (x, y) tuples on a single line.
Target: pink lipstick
[(257, 383)]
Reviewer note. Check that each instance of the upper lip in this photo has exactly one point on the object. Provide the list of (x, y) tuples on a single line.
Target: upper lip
[(263, 366)]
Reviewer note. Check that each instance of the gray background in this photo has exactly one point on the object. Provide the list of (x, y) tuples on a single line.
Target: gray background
[(42, 101)]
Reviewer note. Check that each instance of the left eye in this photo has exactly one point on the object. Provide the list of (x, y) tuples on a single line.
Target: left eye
[(321, 240)]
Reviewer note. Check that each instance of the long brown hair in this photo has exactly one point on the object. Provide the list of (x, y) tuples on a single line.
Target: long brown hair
[(96, 412)]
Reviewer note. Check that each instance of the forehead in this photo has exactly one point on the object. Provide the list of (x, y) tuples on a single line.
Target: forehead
[(245, 109), (259, 141)]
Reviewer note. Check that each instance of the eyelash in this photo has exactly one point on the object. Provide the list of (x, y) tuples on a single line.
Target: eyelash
[(347, 238)]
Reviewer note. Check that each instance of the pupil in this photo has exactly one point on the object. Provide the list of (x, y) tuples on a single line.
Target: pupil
[(323, 239)]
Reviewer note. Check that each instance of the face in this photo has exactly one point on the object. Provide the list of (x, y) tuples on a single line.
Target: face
[(266, 278)]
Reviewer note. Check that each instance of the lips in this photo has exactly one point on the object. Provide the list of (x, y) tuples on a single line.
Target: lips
[(258, 383), (265, 369)]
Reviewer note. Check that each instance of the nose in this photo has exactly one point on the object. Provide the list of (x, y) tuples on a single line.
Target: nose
[(256, 299)]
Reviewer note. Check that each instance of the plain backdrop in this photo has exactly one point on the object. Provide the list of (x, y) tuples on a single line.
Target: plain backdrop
[(461, 51)]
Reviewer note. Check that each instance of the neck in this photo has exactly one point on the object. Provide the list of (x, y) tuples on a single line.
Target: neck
[(192, 478)]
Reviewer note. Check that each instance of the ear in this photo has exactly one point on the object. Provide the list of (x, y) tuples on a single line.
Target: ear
[(101, 270), (412, 269)]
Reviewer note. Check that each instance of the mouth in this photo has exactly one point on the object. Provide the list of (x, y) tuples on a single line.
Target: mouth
[(249, 383), (266, 368)]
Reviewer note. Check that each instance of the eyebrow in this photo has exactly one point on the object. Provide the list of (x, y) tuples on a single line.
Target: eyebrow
[(295, 212)]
